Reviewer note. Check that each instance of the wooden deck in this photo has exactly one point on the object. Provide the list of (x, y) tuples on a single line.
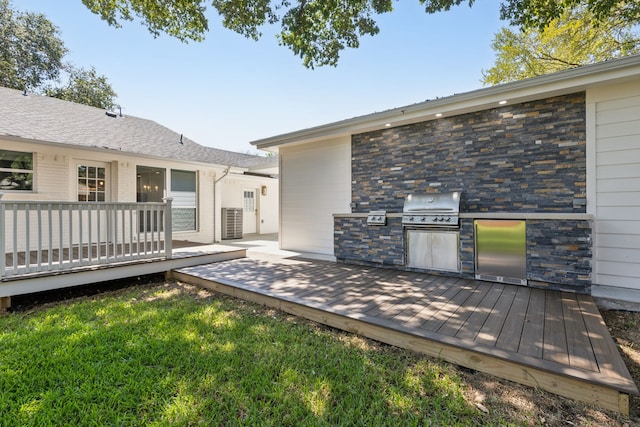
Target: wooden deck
[(552, 340)]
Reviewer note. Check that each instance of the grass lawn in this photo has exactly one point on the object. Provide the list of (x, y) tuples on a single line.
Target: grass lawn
[(171, 354)]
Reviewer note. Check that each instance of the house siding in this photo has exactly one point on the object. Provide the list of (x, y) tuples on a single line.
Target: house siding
[(315, 183), (616, 168)]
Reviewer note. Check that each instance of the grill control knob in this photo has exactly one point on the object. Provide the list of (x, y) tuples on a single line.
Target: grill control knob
[(448, 219)]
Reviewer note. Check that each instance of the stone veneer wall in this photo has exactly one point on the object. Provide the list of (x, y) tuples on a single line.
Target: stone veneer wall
[(528, 157), (559, 254), (523, 158), (356, 241)]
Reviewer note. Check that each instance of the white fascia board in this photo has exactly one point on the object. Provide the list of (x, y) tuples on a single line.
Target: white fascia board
[(561, 83), (116, 152)]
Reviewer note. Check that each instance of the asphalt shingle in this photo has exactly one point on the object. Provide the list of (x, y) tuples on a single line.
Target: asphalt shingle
[(48, 119)]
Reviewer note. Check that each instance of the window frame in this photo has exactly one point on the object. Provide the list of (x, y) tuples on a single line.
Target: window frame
[(11, 171), (184, 200), (96, 191)]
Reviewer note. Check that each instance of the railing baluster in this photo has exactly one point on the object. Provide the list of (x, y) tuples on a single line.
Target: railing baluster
[(50, 241), (131, 230), (107, 217), (3, 262), (99, 233), (60, 237), (70, 225), (15, 238), (27, 251), (146, 228), (125, 251), (168, 228), (154, 230), (90, 233), (80, 237), (39, 249)]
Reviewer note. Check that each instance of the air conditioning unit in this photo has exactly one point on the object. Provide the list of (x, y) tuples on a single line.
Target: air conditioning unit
[(231, 223)]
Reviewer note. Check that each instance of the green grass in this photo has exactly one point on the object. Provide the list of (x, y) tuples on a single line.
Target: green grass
[(171, 355)]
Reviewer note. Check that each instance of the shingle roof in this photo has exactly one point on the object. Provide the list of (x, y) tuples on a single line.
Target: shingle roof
[(48, 119)]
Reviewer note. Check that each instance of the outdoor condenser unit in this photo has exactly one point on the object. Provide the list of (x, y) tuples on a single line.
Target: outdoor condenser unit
[(231, 223)]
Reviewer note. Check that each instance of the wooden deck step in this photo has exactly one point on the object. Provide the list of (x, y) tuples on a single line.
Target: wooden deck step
[(552, 340)]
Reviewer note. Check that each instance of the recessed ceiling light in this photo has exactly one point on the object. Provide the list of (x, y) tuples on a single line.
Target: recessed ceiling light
[(438, 114), (502, 102), (387, 124)]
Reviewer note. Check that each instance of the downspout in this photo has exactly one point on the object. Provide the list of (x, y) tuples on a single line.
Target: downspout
[(215, 183)]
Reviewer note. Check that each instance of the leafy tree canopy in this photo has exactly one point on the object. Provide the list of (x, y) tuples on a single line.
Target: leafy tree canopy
[(30, 50), (318, 30), (85, 87), (568, 41), (32, 58), (315, 30)]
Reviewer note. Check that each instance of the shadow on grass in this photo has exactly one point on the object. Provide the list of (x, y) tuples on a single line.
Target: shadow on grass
[(169, 356)]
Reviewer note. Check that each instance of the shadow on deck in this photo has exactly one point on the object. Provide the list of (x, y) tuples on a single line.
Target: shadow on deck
[(553, 340)]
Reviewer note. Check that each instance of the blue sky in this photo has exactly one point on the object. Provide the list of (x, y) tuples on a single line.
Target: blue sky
[(228, 90)]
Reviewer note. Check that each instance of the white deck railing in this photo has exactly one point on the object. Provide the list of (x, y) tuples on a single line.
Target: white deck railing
[(56, 236)]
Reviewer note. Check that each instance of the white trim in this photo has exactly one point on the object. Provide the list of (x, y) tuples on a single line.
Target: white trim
[(591, 175)]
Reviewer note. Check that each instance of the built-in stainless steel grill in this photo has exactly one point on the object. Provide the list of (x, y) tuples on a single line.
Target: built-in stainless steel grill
[(432, 210), (432, 231)]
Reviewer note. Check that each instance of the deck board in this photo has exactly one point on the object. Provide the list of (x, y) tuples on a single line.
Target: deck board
[(491, 328), (476, 320), (450, 306), (579, 347), (511, 332), (538, 337), (532, 339), (555, 336), (462, 313)]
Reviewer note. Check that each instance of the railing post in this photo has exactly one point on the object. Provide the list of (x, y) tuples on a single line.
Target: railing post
[(168, 230), (3, 260)]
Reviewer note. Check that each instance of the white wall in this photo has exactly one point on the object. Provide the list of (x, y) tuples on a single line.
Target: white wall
[(613, 114), (315, 183), (232, 188)]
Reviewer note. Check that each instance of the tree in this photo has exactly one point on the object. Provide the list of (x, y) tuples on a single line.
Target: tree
[(569, 41), (318, 30), (540, 13), (85, 87), (31, 58), (315, 30), (31, 51)]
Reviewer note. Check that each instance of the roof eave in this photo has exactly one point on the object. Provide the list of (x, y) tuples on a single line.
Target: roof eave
[(573, 80), (118, 152)]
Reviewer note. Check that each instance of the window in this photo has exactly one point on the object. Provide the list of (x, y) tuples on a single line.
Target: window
[(150, 184), (150, 188), (183, 191), (16, 170), (249, 201), (91, 183)]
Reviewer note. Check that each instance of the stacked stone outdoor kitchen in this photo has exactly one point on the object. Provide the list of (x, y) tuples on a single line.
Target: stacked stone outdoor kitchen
[(524, 161)]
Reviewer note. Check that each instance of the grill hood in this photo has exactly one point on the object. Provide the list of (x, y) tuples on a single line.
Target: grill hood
[(432, 203)]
